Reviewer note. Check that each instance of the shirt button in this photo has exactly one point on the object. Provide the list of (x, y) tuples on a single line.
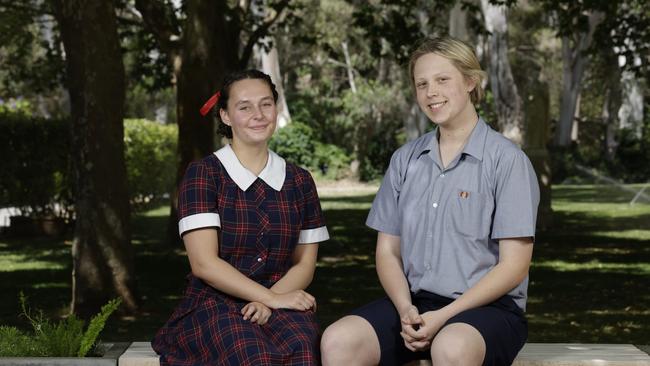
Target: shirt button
[(428, 267), (259, 259), (435, 205), (442, 175)]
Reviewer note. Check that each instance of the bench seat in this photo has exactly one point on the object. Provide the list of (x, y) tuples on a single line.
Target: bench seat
[(533, 354)]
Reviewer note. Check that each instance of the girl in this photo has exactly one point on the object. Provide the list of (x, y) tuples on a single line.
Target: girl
[(455, 216), (250, 223)]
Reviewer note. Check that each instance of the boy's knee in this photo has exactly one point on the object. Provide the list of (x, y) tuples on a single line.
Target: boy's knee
[(345, 342), (335, 339), (458, 345)]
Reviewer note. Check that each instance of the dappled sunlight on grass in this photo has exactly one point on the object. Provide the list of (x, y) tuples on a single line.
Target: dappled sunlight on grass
[(564, 266), (625, 234), (22, 262)]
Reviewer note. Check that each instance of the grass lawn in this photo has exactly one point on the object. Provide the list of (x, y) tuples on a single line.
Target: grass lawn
[(589, 278)]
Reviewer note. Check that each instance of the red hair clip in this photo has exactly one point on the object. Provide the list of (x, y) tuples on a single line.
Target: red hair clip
[(210, 103)]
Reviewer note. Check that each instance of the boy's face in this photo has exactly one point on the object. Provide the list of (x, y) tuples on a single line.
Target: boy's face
[(441, 90)]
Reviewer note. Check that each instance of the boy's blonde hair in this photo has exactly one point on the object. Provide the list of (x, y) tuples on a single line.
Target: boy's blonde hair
[(460, 54)]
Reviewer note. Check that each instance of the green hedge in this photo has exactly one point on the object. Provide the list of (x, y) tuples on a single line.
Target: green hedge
[(36, 168), (34, 153)]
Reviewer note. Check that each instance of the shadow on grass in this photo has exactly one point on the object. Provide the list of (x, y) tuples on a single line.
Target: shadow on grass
[(588, 221), (348, 199), (588, 306)]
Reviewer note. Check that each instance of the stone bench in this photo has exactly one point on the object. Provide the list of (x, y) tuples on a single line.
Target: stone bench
[(533, 354)]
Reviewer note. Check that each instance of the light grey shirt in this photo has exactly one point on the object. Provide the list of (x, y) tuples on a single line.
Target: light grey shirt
[(449, 220)]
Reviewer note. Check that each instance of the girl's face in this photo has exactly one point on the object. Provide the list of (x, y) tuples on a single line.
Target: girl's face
[(251, 111), (442, 91)]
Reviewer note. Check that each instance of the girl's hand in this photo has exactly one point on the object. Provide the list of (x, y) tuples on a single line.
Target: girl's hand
[(294, 300), (256, 312)]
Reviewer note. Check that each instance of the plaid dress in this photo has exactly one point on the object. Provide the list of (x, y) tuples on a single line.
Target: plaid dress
[(260, 228)]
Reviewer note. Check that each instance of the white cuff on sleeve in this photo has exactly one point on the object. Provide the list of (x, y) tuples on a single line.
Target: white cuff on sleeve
[(198, 221), (313, 235)]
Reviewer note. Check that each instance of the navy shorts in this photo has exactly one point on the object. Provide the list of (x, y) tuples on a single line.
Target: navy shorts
[(501, 323)]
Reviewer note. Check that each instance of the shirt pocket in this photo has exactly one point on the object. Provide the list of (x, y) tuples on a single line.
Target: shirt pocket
[(469, 214)]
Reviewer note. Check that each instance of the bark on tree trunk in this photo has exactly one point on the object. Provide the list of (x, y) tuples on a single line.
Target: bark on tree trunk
[(507, 101), (102, 253), (574, 62)]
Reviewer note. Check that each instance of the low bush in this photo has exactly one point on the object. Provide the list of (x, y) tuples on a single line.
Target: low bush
[(65, 338), (150, 160), (297, 144)]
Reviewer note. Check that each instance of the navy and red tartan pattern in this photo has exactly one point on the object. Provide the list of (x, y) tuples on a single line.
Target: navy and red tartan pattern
[(259, 231), (207, 329)]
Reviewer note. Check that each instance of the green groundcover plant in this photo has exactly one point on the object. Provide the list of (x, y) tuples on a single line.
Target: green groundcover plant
[(65, 338)]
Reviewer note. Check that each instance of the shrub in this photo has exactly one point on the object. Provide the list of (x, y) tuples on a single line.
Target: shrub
[(296, 144), (65, 338), (331, 161), (150, 159)]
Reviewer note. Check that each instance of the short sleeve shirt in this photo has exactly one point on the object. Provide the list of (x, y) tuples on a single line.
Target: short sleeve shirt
[(261, 218), (449, 220)]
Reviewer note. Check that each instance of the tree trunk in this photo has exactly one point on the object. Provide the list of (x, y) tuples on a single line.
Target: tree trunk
[(611, 104), (102, 253), (458, 22), (270, 64), (415, 123), (574, 62), (630, 113), (537, 107), (507, 101)]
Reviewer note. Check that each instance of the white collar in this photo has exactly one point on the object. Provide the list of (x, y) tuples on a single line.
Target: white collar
[(273, 173)]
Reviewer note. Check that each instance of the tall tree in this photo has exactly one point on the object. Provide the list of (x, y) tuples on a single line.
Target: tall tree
[(574, 62), (507, 102), (214, 37), (102, 253)]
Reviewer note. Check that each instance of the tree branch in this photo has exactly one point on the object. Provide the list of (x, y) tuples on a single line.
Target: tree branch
[(160, 21), (260, 32)]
